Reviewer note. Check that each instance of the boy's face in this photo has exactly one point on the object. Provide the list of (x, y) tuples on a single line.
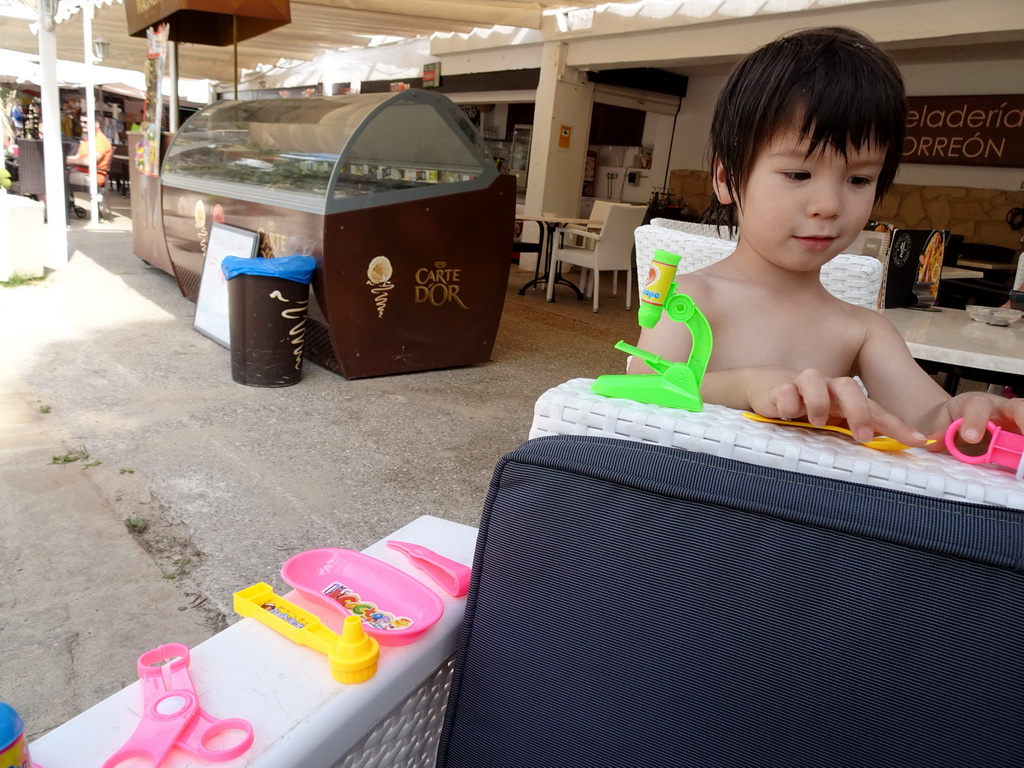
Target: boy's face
[(799, 211)]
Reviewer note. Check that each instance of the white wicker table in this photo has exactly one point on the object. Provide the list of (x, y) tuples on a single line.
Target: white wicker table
[(300, 715), (572, 409)]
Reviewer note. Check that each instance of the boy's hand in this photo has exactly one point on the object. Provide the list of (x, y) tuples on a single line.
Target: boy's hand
[(779, 394), (977, 409)]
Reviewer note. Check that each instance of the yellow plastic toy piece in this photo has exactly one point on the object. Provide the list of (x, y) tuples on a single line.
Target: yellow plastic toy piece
[(353, 658), (878, 443), (352, 655)]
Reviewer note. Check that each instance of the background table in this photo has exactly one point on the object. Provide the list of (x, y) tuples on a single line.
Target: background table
[(963, 347), (572, 409), (550, 224), (958, 273), (300, 715)]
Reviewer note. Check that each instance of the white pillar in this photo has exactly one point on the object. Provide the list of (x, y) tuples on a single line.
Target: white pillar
[(90, 110), (53, 150), (561, 117), (172, 75)]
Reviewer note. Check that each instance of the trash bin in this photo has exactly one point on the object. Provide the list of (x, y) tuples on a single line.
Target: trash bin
[(267, 303)]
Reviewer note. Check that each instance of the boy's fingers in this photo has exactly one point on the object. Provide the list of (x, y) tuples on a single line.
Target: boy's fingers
[(892, 426), (1009, 414), (787, 402), (866, 418), (855, 408), (975, 414), (816, 398)]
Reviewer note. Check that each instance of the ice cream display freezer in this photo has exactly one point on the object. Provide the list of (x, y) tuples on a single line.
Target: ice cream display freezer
[(395, 195)]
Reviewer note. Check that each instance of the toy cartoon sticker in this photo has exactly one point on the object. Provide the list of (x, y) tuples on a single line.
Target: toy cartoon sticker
[(272, 609), (369, 612)]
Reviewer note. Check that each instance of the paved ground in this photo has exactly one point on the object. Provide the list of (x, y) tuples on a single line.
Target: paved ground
[(113, 409)]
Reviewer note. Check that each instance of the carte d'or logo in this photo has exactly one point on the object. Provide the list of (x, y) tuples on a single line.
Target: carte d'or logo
[(272, 242), (439, 285), (378, 275)]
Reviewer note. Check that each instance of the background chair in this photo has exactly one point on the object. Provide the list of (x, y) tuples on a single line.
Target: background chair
[(598, 213), (610, 249)]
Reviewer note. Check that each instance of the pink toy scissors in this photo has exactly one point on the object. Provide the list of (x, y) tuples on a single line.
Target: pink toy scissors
[(1004, 448), (172, 716)]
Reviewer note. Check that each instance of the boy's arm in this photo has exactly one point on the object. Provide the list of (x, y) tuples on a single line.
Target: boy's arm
[(782, 393), (894, 379), (807, 395), (897, 382), (666, 339)]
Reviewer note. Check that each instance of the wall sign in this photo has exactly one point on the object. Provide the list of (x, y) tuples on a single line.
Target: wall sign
[(565, 136), (212, 303), (965, 130), (432, 74)]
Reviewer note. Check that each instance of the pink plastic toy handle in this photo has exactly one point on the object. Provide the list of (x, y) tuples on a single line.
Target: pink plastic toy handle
[(204, 728), (1004, 448), (452, 576), (166, 682), (163, 720)]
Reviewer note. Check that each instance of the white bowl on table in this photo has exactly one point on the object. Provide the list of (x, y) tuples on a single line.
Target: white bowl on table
[(994, 315)]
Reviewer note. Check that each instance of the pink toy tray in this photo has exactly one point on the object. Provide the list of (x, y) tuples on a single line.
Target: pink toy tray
[(395, 607)]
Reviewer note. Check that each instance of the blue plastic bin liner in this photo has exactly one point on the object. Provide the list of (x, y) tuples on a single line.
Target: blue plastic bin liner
[(298, 269)]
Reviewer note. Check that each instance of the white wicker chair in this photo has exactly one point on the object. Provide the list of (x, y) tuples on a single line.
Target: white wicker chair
[(852, 278), (707, 230), (1019, 277), (607, 250)]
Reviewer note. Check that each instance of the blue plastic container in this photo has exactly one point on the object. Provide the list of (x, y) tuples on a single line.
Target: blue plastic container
[(13, 747)]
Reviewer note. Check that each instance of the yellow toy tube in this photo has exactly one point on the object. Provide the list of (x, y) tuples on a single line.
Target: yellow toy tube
[(352, 655)]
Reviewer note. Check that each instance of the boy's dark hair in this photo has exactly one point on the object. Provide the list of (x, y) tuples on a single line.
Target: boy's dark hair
[(845, 91)]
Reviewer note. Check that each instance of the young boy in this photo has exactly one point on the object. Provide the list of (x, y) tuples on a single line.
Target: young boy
[(805, 139)]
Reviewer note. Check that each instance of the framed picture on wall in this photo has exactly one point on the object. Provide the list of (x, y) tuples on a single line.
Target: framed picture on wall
[(212, 304)]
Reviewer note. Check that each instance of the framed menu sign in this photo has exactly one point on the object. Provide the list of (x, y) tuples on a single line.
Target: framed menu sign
[(914, 267), (211, 318), (965, 130)]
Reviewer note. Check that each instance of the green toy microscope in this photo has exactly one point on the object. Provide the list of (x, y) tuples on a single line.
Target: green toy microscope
[(675, 385)]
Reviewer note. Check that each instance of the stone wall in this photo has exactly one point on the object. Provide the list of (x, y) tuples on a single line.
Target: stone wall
[(977, 214)]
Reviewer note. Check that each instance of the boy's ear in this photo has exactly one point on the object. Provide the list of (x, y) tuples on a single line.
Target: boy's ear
[(719, 185)]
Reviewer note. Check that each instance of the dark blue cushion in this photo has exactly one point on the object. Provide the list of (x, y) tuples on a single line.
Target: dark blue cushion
[(638, 605)]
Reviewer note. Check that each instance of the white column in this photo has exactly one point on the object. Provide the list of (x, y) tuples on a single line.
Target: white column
[(563, 105), (172, 75), (53, 150), (90, 110)]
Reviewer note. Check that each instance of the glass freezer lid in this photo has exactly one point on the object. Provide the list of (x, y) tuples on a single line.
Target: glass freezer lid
[(330, 153)]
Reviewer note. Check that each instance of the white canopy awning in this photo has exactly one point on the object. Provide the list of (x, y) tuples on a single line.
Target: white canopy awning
[(317, 27), (21, 68)]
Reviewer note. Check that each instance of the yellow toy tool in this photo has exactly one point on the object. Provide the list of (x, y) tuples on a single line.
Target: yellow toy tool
[(352, 655), (878, 443)]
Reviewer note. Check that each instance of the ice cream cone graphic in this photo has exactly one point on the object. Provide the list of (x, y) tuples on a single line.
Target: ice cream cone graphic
[(379, 279)]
